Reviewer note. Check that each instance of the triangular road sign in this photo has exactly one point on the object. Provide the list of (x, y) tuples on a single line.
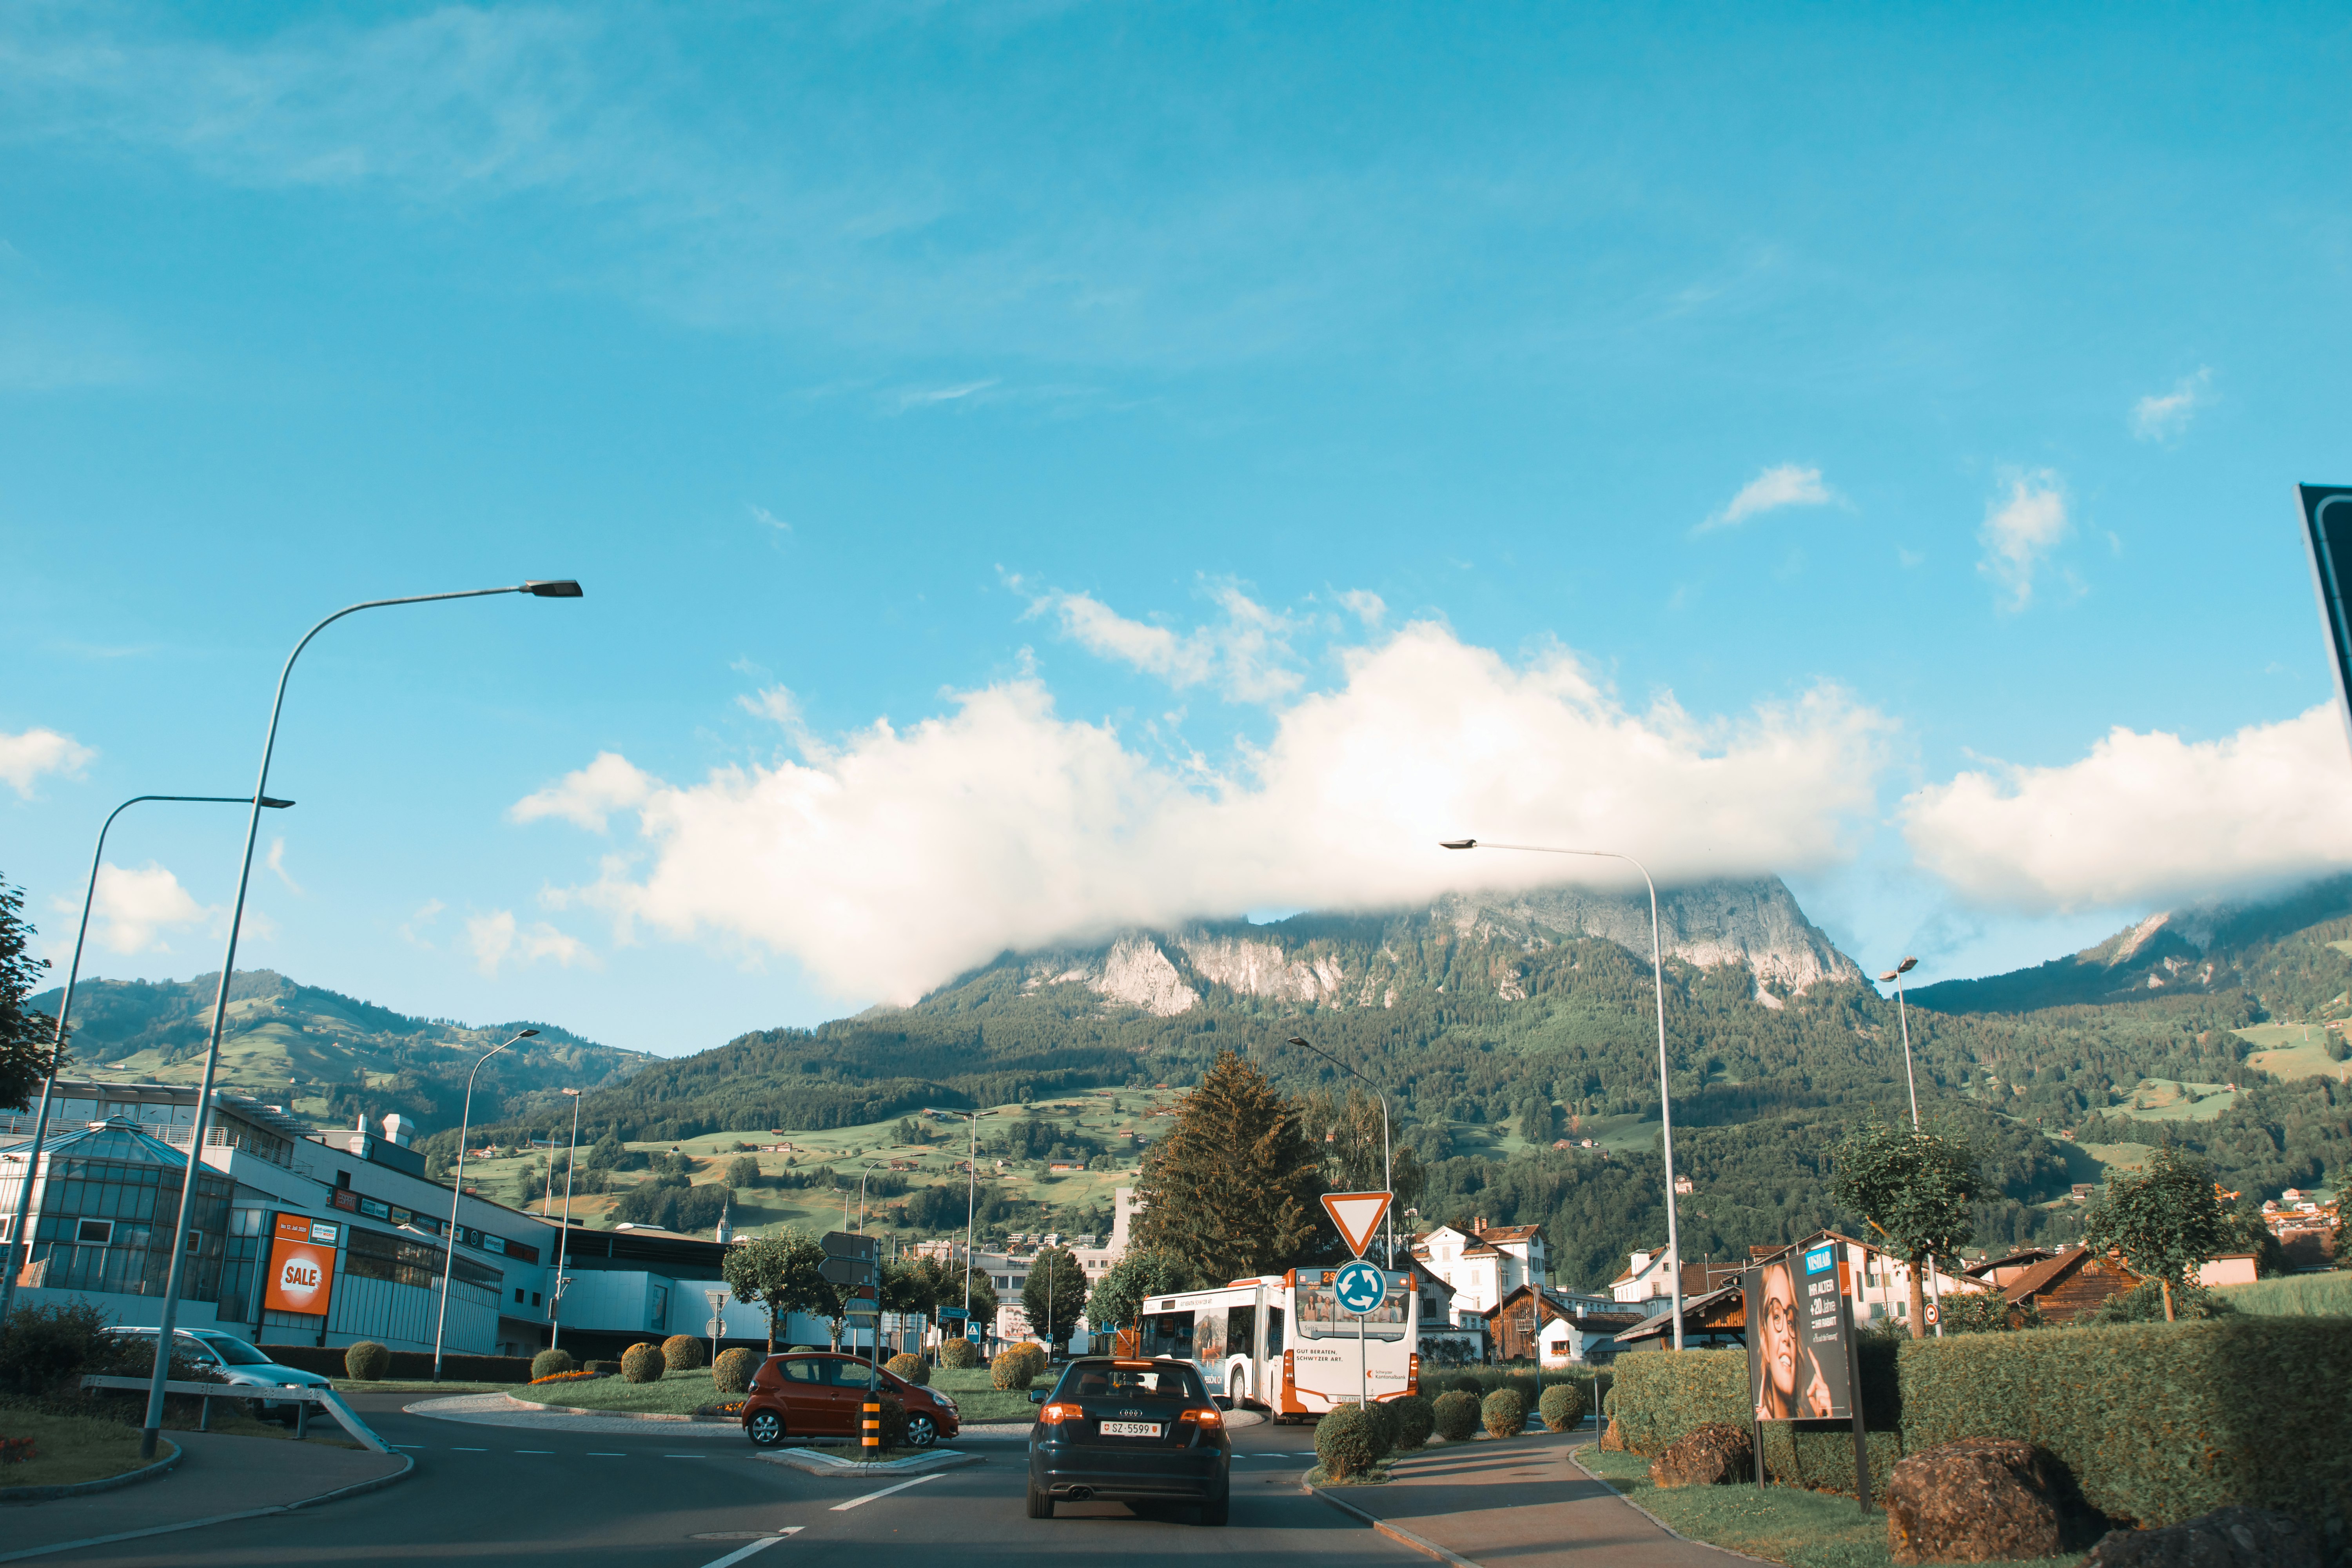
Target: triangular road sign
[(1358, 1216)]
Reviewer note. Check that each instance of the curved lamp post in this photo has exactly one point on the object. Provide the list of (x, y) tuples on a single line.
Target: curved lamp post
[(152, 1428), (564, 1237), (1388, 1166), (1911, 1083), (1665, 1098), (32, 1153), (457, 1196)]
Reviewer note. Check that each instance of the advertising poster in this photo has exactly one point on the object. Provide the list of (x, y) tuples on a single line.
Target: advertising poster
[(1798, 1368), (301, 1265)]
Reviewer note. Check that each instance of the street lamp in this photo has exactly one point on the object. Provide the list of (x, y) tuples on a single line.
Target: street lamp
[(1911, 1083), (32, 1151), (971, 1198), (1665, 1098), (564, 1237), (153, 1428), (457, 1196), (1387, 1167), (871, 1166)]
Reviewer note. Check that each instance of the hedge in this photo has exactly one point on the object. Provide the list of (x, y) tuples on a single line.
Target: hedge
[(407, 1366), (2156, 1422)]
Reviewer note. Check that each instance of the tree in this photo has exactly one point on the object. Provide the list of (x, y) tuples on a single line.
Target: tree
[(1914, 1189), (2167, 1221), (1347, 1131), (783, 1273), (743, 1171), (1232, 1188), (1055, 1294), (27, 1036), (1118, 1296)]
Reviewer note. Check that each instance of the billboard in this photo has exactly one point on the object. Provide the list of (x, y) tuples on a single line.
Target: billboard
[(301, 1265), (1800, 1334)]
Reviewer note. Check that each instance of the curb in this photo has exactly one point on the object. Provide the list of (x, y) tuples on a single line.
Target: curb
[(818, 1464), (1654, 1518), (146, 1472), (408, 1465), (1404, 1537), (618, 1414)]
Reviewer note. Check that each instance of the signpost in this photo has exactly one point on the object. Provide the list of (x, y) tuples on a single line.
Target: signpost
[(854, 1262), (1359, 1286), (1803, 1363), (718, 1299)]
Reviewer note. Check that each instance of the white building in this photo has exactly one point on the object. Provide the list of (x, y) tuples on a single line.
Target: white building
[(1483, 1263), (1649, 1277)]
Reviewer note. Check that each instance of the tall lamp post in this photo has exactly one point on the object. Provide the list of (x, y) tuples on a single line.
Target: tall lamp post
[(1911, 1083), (457, 1196), (1388, 1166), (564, 1237), (153, 1428), (1665, 1097), (32, 1152), (970, 1199)]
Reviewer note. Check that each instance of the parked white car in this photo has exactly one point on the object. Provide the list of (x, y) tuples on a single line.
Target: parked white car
[(238, 1363)]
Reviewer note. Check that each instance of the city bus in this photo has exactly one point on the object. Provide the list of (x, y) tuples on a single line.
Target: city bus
[(1279, 1343)]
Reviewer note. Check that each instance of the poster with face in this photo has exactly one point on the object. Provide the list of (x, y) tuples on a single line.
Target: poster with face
[(1797, 1363)]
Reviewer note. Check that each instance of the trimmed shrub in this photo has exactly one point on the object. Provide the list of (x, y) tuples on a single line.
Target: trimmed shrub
[(1384, 1427), (1011, 1370), (1456, 1415), (733, 1371), (1504, 1413), (913, 1368), (682, 1352), (1415, 1419), (1348, 1441), (46, 1346), (368, 1361), (327, 1361), (546, 1364), (959, 1354), (1466, 1382), (642, 1363), (1036, 1354), (1561, 1406)]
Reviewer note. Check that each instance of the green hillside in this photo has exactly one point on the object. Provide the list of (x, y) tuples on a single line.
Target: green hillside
[(328, 1054)]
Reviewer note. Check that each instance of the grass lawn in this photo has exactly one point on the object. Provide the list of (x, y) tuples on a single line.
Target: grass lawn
[(2295, 1296), (69, 1448), (1805, 1530), (980, 1403), (676, 1394)]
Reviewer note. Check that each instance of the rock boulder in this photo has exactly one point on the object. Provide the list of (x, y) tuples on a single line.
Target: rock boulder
[(1979, 1499), (2226, 1538), (1717, 1454)]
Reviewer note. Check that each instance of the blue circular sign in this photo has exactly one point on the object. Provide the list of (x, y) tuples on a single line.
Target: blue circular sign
[(1360, 1288)]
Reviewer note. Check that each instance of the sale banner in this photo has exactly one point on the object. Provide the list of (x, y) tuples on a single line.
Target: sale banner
[(301, 1266)]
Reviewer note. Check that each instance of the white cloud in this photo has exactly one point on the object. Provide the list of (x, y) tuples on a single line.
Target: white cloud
[(2020, 530), (411, 929), (767, 519), (134, 911), (586, 798), (1787, 485), (898, 857), (278, 865), (1365, 606), (496, 940), (1248, 655), (2144, 818), (25, 758), (2160, 417)]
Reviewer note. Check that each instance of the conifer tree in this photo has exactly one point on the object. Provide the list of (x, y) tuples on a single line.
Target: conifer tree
[(1232, 1188)]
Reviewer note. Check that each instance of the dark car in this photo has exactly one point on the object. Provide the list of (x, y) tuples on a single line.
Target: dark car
[(816, 1393), (1130, 1431)]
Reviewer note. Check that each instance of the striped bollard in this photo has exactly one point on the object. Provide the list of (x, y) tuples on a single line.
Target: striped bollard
[(874, 1427)]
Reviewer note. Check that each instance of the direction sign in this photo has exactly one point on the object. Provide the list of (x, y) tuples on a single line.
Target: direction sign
[(1360, 1288), (1358, 1216), (846, 1270), (849, 1244), (952, 1314)]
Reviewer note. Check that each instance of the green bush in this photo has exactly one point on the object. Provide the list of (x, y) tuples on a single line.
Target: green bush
[(1384, 1427), (733, 1371), (642, 1363), (894, 1422), (1011, 1369), (913, 1368), (959, 1354), (682, 1352), (1561, 1406), (1348, 1441), (1504, 1412), (46, 1347), (1526, 1385), (1456, 1415), (2145, 1304), (1415, 1419), (1035, 1355), (546, 1364), (1466, 1382), (367, 1361)]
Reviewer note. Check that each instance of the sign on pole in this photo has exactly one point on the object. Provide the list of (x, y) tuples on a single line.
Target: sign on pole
[(2327, 534), (1360, 1288), (849, 1244), (1358, 1216)]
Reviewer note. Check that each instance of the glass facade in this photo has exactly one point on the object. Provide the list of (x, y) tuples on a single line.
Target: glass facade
[(128, 1182)]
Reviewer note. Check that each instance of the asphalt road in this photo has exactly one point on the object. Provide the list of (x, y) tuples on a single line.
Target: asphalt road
[(506, 1495)]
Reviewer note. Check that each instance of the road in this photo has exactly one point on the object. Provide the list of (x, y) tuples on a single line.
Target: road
[(503, 1494)]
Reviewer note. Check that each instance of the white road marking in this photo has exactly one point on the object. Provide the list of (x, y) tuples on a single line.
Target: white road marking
[(869, 1497), (469, 1450), (740, 1553)]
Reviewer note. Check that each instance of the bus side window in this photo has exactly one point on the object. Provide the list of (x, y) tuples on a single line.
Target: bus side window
[(1169, 1334), (1274, 1330), (1241, 1330)]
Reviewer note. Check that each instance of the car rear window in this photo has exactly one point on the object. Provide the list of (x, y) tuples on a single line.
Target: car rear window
[(1101, 1380)]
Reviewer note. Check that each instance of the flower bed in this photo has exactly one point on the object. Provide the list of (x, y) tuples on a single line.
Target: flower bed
[(563, 1377)]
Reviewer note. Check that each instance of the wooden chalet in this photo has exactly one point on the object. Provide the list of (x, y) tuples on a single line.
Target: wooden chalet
[(1713, 1320), (2069, 1284), (1516, 1325)]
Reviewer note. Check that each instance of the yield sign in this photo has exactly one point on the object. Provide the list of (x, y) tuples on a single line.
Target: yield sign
[(1357, 1214)]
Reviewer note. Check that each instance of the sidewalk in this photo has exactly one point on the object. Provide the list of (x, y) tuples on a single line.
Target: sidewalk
[(218, 1477), (1520, 1502)]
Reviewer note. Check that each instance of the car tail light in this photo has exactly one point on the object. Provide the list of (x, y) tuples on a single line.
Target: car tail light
[(1053, 1415), (1208, 1420)]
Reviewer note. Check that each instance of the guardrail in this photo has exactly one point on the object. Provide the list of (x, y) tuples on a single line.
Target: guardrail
[(277, 1394)]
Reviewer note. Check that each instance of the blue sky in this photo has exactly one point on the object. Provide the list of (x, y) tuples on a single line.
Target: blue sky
[(1227, 448)]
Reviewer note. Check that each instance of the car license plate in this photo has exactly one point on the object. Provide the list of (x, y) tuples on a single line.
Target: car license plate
[(1131, 1428)]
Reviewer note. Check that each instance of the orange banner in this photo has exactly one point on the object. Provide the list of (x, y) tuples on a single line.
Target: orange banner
[(301, 1266)]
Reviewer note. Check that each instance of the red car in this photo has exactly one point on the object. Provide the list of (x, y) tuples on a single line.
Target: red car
[(816, 1393)]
